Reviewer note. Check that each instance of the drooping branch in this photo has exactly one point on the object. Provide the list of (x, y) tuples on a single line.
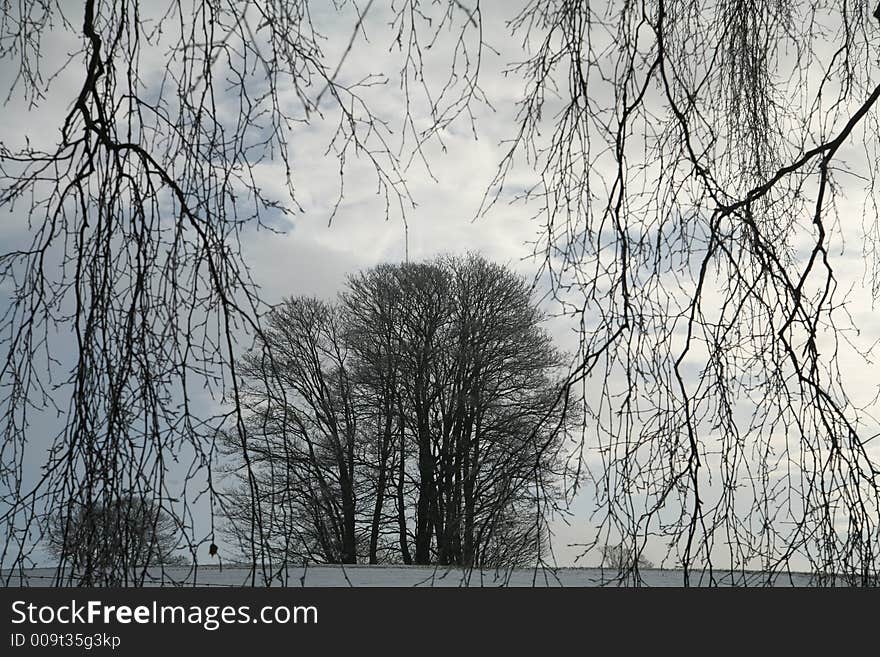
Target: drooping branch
[(126, 309)]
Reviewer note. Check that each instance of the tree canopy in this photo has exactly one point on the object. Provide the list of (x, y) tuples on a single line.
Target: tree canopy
[(420, 419)]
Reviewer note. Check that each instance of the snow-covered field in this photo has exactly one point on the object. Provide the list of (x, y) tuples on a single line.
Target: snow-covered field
[(383, 576)]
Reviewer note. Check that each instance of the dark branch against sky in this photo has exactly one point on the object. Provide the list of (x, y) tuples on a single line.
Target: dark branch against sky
[(692, 188)]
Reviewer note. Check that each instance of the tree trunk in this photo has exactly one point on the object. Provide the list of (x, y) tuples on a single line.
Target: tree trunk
[(401, 506), (384, 442)]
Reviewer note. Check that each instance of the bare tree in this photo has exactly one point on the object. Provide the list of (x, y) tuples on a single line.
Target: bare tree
[(303, 432), (432, 387), (111, 543), (373, 317), (619, 558)]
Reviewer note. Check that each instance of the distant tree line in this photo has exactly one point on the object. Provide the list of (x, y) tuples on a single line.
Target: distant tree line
[(418, 419)]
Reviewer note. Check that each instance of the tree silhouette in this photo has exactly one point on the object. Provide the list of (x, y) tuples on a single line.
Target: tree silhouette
[(429, 387), (696, 169), (111, 543), (618, 558)]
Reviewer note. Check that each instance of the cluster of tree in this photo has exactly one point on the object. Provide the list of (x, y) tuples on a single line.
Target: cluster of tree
[(621, 558), (419, 419), (111, 542), (688, 184)]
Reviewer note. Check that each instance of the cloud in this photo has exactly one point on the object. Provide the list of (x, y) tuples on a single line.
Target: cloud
[(313, 257)]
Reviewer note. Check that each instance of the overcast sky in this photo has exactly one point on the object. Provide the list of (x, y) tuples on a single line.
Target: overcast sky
[(313, 257)]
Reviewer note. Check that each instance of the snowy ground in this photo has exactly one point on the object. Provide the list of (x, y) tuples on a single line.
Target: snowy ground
[(383, 576)]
